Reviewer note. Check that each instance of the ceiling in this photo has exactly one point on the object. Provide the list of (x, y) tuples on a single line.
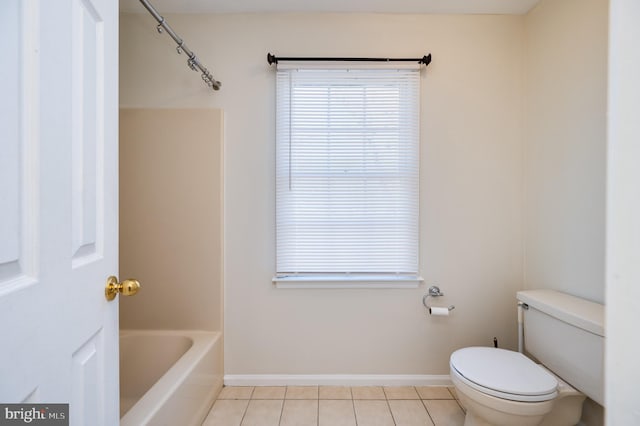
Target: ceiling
[(509, 7)]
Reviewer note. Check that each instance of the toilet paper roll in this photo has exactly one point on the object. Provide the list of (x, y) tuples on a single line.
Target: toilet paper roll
[(439, 311)]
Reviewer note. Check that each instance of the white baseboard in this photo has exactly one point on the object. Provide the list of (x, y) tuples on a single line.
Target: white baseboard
[(336, 380)]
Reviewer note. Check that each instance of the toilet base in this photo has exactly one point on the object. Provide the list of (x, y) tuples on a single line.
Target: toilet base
[(567, 413), (481, 415), (485, 410)]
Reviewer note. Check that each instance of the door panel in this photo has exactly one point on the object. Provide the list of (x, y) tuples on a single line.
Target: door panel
[(18, 185), (86, 376), (87, 125)]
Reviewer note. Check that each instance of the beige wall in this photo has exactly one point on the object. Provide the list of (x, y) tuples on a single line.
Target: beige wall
[(170, 217), (565, 151), (471, 177), (565, 146)]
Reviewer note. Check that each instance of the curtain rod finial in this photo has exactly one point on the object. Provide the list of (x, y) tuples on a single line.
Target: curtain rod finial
[(271, 59), (426, 59)]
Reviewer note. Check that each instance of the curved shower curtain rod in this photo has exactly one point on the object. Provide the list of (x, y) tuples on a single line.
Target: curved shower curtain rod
[(193, 62)]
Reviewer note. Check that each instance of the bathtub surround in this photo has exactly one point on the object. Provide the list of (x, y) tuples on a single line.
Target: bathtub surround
[(171, 240), (171, 218)]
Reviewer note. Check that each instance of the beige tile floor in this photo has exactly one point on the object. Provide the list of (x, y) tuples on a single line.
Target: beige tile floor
[(336, 406)]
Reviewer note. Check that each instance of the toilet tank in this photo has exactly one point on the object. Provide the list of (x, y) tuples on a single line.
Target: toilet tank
[(566, 334)]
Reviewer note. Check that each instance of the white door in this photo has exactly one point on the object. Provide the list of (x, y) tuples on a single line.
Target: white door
[(58, 205)]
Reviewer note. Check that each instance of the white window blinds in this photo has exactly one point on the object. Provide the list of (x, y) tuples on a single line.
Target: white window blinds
[(347, 172)]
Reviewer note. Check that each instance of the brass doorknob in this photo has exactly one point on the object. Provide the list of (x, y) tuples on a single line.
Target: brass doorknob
[(126, 288)]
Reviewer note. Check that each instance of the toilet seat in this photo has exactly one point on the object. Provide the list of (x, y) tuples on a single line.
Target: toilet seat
[(503, 374)]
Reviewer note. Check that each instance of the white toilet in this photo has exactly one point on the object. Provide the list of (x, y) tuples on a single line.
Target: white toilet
[(499, 387)]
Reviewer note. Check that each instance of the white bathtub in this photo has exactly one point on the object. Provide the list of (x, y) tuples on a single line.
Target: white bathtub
[(168, 377)]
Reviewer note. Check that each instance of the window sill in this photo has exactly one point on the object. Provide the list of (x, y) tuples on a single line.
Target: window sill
[(351, 282)]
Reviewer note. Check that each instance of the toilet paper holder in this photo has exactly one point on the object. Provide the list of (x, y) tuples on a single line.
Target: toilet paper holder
[(434, 291)]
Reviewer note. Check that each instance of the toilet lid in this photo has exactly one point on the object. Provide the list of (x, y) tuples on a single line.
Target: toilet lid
[(508, 374)]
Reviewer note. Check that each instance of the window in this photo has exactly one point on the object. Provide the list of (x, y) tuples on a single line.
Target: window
[(347, 174)]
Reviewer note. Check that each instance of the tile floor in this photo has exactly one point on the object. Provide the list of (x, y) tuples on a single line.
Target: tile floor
[(336, 406)]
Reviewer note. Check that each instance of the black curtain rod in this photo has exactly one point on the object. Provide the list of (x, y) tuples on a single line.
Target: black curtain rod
[(272, 59)]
